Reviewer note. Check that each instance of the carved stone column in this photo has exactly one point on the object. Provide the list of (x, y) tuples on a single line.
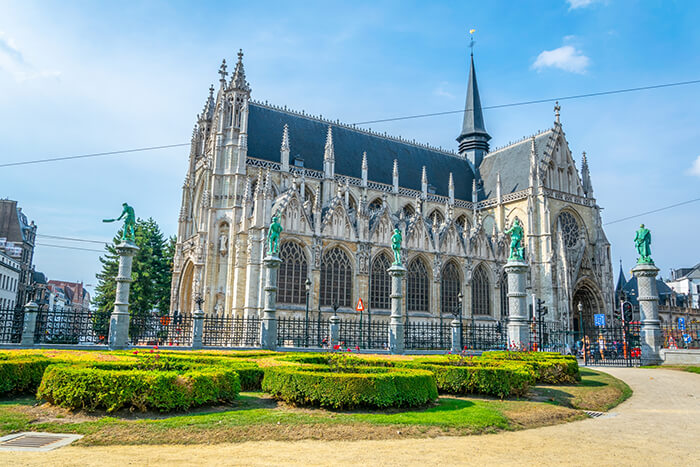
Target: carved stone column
[(396, 332), (649, 310), (268, 326), (119, 320), (518, 332)]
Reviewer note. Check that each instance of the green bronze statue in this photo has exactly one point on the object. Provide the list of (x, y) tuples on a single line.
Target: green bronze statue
[(516, 233), (396, 246), (642, 241), (129, 231), (273, 236)]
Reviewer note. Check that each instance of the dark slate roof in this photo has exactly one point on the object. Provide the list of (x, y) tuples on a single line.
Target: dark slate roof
[(513, 163), (632, 290), (307, 138)]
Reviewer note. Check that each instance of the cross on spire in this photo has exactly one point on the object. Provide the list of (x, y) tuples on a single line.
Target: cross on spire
[(222, 71)]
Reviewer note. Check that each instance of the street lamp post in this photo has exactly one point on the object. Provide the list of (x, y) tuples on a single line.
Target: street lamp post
[(460, 315), (307, 285)]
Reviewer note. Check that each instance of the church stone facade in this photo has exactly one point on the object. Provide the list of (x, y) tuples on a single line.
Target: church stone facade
[(340, 191)]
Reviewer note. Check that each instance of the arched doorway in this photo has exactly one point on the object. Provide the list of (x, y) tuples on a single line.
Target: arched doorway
[(185, 295), (588, 295)]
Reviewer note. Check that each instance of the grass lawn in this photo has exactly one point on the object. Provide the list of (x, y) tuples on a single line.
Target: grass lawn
[(688, 368), (257, 417)]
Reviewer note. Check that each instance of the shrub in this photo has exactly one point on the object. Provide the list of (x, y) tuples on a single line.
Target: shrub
[(114, 386), (549, 367), (21, 375), (367, 388)]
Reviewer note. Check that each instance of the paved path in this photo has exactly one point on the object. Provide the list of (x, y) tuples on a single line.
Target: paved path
[(658, 425)]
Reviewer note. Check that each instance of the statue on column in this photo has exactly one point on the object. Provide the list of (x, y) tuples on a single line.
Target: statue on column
[(273, 236), (516, 233), (642, 241), (129, 230), (396, 246)]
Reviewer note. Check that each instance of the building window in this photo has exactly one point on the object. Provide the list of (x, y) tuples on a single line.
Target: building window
[(504, 295), (292, 274), (418, 286), (336, 278), (380, 283), (480, 292), (450, 285), (436, 217), (569, 229)]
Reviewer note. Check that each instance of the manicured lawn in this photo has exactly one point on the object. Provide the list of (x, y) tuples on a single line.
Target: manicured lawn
[(688, 368), (597, 392)]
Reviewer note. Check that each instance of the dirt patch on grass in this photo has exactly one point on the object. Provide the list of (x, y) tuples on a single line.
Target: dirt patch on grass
[(523, 415)]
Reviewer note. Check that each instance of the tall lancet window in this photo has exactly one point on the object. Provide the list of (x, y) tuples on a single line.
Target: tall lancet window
[(292, 274), (450, 285), (336, 278), (481, 291), (380, 283), (418, 286)]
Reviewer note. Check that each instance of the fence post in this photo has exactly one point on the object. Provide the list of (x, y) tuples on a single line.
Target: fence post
[(334, 331), (268, 326), (119, 320), (396, 331), (649, 309), (456, 336), (518, 332), (31, 310), (197, 328)]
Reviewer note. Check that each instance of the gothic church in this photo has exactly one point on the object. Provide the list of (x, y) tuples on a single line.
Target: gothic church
[(340, 190)]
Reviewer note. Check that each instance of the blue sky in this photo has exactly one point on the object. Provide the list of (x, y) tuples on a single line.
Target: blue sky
[(84, 77)]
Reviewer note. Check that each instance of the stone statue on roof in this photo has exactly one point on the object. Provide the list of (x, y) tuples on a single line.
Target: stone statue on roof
[(642, 241), (129, 230)]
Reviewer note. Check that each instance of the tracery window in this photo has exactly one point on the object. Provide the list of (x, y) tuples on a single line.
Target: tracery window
[(380, 283), (504, 295), (375, 205), (292, 274), (336, 278), (480, 291), (418, 293), (408, 210), (569, 229), (450, 285), (436, 217)]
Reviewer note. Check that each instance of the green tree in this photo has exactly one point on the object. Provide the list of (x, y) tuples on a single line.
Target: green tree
[(151, 272)]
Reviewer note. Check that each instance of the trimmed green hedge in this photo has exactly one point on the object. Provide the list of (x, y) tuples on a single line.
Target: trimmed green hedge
[(366, 387), (21, 375), (488, 380), (113, 387)]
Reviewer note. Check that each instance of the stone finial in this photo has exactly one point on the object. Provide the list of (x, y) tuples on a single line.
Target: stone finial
[(208, 111), (395, 176), (259, 190), (364, 169), (238, 80), (533, 162), (329, 153), (285, 138), (424, 182), (557, 108), (451, 189), (223, 73), (498, 186), (586, 177)]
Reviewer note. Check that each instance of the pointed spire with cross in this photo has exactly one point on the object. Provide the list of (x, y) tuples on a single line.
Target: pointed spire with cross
[(223, 73), (557, 108)]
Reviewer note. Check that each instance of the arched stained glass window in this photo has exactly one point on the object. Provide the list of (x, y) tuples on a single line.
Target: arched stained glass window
[(450, 285), (480, 291), (336, 278), (504, 295), (292, 274), (380, 283), (418, 293), (569, 229)]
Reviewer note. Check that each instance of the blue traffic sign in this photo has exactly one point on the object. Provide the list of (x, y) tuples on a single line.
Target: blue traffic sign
[(681, 324), (687, 338), (599, 319)]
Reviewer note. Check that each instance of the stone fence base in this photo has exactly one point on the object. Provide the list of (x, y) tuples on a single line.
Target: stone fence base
[(681, 356)]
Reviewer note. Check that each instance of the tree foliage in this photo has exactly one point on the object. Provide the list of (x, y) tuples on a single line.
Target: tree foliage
[(151, 272)]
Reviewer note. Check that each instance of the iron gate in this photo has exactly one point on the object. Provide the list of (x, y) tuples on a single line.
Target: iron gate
[(615, 345)]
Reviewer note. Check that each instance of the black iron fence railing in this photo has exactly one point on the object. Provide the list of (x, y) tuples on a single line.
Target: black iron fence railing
[(229, 331), (549, 336), (609, 345), (427, 336), (298, 332), (161, 330), (685, 336), (364, 334), (11, 324), (71, 327), (484, 336)]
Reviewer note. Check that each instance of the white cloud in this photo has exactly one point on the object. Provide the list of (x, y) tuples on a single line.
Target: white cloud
[(695, 168), (13, 62), (575, 4), (441, 91), (566, 58)]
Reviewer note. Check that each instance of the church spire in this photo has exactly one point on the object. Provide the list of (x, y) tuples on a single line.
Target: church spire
[(208, 111), (238, 80), (474, 139), (586, 177)]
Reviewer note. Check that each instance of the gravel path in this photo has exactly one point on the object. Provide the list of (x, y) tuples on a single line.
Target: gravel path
[(658, 425)]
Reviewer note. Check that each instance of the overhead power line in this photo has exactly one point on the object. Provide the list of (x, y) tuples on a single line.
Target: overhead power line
[(97, 154), (538, 101), (70, 247), (652, 211), (72, 239)]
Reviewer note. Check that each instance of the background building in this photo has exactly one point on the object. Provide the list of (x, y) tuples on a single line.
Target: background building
[(340, 191), (75, 297), (686, 282), (15, 229), (9, 281)]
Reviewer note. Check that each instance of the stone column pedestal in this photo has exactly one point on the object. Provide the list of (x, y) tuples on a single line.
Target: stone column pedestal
[(334, 331), (31, 310), (197, 328), (119, 320), (396, 331), (268, 326), (518, 332), (456, 336), (649, 310)]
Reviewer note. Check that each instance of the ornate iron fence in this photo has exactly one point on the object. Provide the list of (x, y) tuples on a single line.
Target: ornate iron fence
[(484, 336), (161, 330), (549, 336), (676, 338), (71, 327), (229, 331), (365, 334), (427, 336), (609, 345), (11, 324), (298, 332)]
